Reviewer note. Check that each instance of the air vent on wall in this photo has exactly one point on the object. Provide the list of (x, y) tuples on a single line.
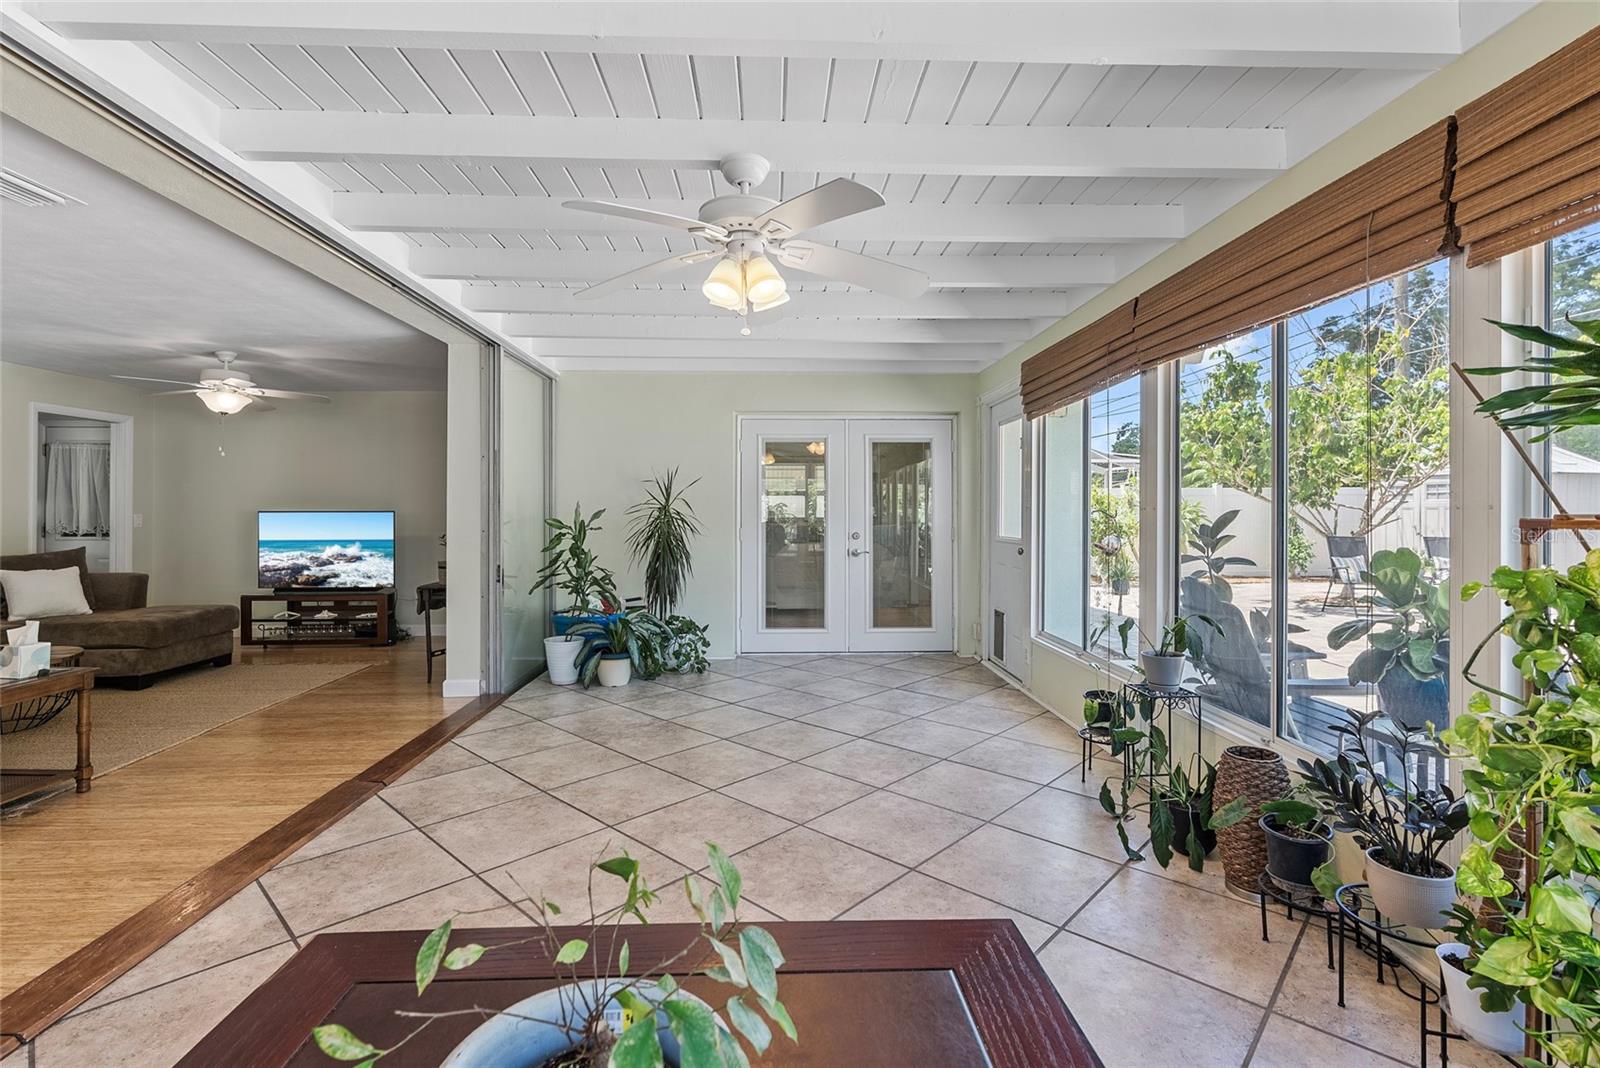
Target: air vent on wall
[(14, 186)]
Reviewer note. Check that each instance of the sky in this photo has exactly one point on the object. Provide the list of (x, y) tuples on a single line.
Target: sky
[(334, 526)]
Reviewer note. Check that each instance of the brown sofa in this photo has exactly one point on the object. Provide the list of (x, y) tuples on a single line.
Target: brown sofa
[(127, 639)]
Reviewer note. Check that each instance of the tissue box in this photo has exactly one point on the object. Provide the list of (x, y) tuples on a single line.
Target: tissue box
[(24, 661)]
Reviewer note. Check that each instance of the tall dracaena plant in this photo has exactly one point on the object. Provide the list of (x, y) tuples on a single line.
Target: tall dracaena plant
[(1531, 792), (660, 528)]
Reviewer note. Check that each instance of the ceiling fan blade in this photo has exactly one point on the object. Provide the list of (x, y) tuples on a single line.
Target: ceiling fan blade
[(647, 272), (286, 394), (880, 276), (162, 381), (825, 203), (659, 218), (176, 392), (258, 405)]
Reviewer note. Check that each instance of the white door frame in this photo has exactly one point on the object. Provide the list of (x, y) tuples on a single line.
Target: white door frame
[(746, 490), (121, 475), (987, 404)]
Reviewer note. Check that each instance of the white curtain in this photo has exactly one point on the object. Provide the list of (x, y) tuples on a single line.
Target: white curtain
[(77, 493)]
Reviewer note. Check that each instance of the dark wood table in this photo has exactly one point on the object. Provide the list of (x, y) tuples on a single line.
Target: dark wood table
[(924, 993), (27, 703)]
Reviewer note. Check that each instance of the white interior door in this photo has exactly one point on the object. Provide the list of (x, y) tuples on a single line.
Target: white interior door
[(846, 535), (1006, 628), (900, 566)]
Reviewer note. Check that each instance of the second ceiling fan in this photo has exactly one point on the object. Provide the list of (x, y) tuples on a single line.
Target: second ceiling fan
[(746, 228)]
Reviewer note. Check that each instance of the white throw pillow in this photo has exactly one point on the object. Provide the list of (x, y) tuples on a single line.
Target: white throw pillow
[(34, 594)]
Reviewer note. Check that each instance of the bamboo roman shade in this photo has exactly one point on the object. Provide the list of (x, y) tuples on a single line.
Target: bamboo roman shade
[(1528, 155), (1076, 366)]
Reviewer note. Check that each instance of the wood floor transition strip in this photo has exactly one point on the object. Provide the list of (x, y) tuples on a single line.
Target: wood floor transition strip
[(42, 1001)]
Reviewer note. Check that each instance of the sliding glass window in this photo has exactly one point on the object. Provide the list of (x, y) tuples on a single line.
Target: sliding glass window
[(1063, 530), (1572, 457), (1113, 549)]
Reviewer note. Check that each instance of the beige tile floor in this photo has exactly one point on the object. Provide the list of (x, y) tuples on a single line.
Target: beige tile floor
[(853, 787)]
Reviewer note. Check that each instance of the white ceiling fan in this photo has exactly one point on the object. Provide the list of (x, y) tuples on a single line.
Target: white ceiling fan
[(229, 392), (745, 228)]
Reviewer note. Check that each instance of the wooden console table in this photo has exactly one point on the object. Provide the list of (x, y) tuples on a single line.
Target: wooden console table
[(930, 993), (356, 617), (28, 703)]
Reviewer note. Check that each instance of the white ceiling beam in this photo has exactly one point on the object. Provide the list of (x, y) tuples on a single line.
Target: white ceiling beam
[(754, 347), (763, 364), (935, 304), (768, 326), (1413, 34), (1066, 151), (976, 272), (1039, 223)]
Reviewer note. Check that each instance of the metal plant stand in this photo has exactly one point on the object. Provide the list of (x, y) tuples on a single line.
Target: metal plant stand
[(1307, 903)]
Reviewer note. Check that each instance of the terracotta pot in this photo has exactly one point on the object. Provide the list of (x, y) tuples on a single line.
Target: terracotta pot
[(1258, 775)]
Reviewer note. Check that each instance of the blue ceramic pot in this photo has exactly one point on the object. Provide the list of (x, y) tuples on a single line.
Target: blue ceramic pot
[(549, 1023), (564, 621)]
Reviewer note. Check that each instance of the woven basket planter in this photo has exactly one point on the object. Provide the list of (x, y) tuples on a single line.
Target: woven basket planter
[(1258, 774)]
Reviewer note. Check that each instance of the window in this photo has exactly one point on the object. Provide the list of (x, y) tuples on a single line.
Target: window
[(1572, 457), (1008, 510), (1062, 529), (1113, 548), (1226, 519), (1368, 497)]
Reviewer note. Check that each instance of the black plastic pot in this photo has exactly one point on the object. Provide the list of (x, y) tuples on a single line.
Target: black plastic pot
[(1180, 830), (1099, 707), (1291, 860)]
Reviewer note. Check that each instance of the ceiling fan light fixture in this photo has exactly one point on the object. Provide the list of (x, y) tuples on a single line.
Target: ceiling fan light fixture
[(225, 403), (763, 284), (724, 286), (782, 298)]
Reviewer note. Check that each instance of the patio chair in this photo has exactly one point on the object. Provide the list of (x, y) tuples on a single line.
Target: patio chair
[(1438, 550), (1347, 562)]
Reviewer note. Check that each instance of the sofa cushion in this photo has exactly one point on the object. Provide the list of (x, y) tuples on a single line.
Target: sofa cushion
[(78, 558), (42, 592), (140, 628)]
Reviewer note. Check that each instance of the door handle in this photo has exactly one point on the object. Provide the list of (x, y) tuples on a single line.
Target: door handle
[(860, 552), (1019, 550)]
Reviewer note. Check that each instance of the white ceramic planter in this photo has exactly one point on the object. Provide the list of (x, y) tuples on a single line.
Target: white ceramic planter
[(1409, 899), (546, 1024), (1499, 1031), (1162, 672), (561, 659), (615, 671)]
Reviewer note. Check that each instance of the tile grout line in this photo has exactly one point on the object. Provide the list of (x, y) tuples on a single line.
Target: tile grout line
[(273, 905), (1272, 1000)]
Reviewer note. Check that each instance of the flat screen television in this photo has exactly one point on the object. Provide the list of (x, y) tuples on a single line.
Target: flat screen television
[(325, 550)]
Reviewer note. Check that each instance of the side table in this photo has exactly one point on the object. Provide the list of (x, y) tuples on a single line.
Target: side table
[(29, 703)]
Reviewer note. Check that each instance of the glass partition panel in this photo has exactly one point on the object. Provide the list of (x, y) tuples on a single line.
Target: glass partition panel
[(1062, 529), (1226, 520), (1369, 489), (902, 533), (794, 504), (524, 615)]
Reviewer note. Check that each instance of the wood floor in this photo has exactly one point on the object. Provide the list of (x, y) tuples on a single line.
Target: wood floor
[(77, 865)]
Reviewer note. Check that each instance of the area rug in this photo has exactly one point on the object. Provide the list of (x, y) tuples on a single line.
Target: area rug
[(129, 725)]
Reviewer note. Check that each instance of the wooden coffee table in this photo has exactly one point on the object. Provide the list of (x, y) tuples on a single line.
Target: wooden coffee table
[(28, 703), (929, 993)]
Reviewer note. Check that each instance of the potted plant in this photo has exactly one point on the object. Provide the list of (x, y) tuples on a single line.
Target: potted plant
[(571, 568), (1403, 829), (1163, 665), (1408, 651), (1120, 573), (608, 1013), (1491, 1019), (1206, 545), (660, 528), (1299, 841), (616, 648)]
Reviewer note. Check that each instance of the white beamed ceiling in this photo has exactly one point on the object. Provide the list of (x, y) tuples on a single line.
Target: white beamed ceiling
[(1030, 154)]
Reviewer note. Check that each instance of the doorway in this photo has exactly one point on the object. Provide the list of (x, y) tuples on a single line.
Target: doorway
[(1006, 623), (80, 484), (846, 535)]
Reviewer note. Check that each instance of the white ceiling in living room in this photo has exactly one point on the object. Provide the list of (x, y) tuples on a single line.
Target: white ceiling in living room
[(129, 283), (1029, 154)]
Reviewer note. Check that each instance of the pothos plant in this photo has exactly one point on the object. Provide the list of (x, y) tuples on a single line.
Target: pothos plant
[(744, 958), (1530, 785), (571, 567)]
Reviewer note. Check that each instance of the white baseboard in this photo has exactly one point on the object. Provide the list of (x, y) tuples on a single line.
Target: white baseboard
[(462, 687)]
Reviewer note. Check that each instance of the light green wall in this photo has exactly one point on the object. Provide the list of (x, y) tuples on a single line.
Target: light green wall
[(365, 450), (1529, 39), (21, 386), (615, 429)]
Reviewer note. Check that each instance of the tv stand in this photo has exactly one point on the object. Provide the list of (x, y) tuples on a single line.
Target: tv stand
[(318, 617)]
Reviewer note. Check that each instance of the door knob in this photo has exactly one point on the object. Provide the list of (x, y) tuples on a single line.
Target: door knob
[(1019, 550), (860, 552)]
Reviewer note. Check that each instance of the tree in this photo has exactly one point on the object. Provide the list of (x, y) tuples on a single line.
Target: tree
[(1368, 409)]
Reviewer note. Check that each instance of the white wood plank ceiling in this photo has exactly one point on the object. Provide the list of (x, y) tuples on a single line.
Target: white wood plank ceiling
[(1030, 154)]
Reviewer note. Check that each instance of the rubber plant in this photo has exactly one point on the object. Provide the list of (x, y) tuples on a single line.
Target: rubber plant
[(660, 528), (1408, 626), (571, 567), (1530, 786), (742, 957)]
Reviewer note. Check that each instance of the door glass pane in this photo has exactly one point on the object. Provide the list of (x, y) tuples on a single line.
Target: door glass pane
[(524, 616), (1061, 523), (1008, 480), (902, 534), (794, 506), (1225, 522)]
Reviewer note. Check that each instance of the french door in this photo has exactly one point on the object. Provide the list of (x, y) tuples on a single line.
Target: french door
[(846, 535)]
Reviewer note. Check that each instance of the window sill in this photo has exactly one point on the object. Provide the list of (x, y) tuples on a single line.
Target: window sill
[(1119, 671)]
